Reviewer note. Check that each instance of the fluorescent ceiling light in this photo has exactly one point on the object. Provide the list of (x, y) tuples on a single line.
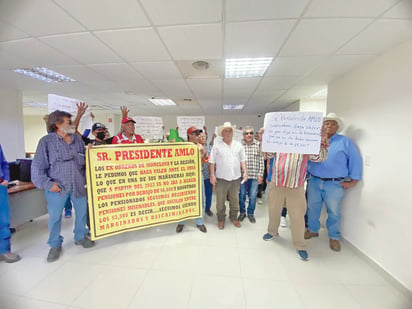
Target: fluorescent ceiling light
[(162, 102), (233, 106), (35, 104), (246, 67), (321, 94), (45, 75)]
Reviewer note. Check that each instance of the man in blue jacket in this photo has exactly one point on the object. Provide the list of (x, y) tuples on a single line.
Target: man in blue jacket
[(5, 235), (329, 180)]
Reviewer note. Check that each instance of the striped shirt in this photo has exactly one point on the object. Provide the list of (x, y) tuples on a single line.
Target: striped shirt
[(289, 169), (254, 159)]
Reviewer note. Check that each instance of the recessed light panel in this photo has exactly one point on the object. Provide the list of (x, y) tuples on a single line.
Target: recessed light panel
[(246, 67), (233, 106), (162, 102)]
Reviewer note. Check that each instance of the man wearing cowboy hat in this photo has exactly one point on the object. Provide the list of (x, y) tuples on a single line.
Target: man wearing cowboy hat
[(329, 180), (227, 158)]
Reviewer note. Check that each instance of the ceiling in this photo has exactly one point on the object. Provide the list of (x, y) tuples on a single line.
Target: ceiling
[(125, 51)]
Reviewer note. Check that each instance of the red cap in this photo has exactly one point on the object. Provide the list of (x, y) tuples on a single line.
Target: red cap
[(193, 130), (127, 120)]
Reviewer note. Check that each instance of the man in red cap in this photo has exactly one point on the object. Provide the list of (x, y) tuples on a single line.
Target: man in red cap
[(128, 135), (193, 137)]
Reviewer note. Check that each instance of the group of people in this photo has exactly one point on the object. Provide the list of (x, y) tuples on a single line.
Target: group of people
[(236, 169), (233, 169)]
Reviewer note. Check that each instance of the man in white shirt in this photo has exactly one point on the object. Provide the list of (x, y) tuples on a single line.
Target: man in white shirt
[(227, 158)]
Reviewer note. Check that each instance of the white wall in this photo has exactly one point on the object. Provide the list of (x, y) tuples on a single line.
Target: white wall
[(313, 105), (11, 124), (376, 102)]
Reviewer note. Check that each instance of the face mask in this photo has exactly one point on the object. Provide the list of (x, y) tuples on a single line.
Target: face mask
[(101, 135)]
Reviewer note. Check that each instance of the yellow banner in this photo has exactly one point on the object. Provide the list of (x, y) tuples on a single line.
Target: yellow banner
[(136, 186)]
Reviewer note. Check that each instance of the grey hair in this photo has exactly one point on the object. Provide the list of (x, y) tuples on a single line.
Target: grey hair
[(56, 117), (248, 128)]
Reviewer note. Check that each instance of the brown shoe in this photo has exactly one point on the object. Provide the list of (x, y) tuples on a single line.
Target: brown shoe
[(202, 228), (334, 244), (309, 234), (236, 223), (221, 225)]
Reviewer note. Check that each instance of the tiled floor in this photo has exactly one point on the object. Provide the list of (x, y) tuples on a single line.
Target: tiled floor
[(157, 268)]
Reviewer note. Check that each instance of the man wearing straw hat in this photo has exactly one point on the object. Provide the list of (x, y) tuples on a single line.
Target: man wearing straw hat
[(329, 180), (227, 159)]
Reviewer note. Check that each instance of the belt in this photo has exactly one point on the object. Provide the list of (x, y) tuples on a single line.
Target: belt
[(329, 179)]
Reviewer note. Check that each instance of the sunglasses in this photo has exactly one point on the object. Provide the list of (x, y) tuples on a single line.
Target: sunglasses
[(248, 133)]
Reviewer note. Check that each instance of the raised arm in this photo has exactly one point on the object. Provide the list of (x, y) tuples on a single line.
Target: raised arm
[(81, 109)]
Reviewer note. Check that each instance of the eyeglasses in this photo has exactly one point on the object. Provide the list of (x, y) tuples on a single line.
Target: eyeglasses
[(248, 133)]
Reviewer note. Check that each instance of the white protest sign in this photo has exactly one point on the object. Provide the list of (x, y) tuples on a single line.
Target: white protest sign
[(238, 135), (185, 122), (149, 127), (292, 132), (57, 102)]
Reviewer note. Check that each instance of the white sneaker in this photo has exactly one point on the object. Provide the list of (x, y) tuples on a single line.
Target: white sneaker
[(260, 201), (283, 222)]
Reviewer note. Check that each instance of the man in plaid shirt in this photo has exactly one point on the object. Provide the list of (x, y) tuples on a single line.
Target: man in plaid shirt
[(255, 169)]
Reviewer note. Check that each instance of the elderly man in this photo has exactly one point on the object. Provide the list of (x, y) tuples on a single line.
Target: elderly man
[(287, 180), (329, 180), (128, 135), (227, 158), (255, 169), (193, 137), (5, 235), (59, 168)]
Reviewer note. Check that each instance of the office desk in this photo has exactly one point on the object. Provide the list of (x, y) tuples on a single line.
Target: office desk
[(26, 203)]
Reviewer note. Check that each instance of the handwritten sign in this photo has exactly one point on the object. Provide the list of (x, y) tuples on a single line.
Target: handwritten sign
[(138, 186), (185, 122), (149, 127), (57, 102), (292, 132)]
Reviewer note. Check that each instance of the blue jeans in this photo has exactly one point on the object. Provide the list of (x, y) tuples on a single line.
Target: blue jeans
[(328, 192), (208, 193), (5, 234), (55, 205), (248, 188), (199, 221)]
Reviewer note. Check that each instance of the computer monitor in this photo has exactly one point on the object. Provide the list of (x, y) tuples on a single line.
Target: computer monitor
[(20, 170), (14, 168), (25, 169)]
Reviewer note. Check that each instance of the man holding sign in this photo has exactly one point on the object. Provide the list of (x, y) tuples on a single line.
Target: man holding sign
[(289, 172), (128, 135), (193, 137)]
